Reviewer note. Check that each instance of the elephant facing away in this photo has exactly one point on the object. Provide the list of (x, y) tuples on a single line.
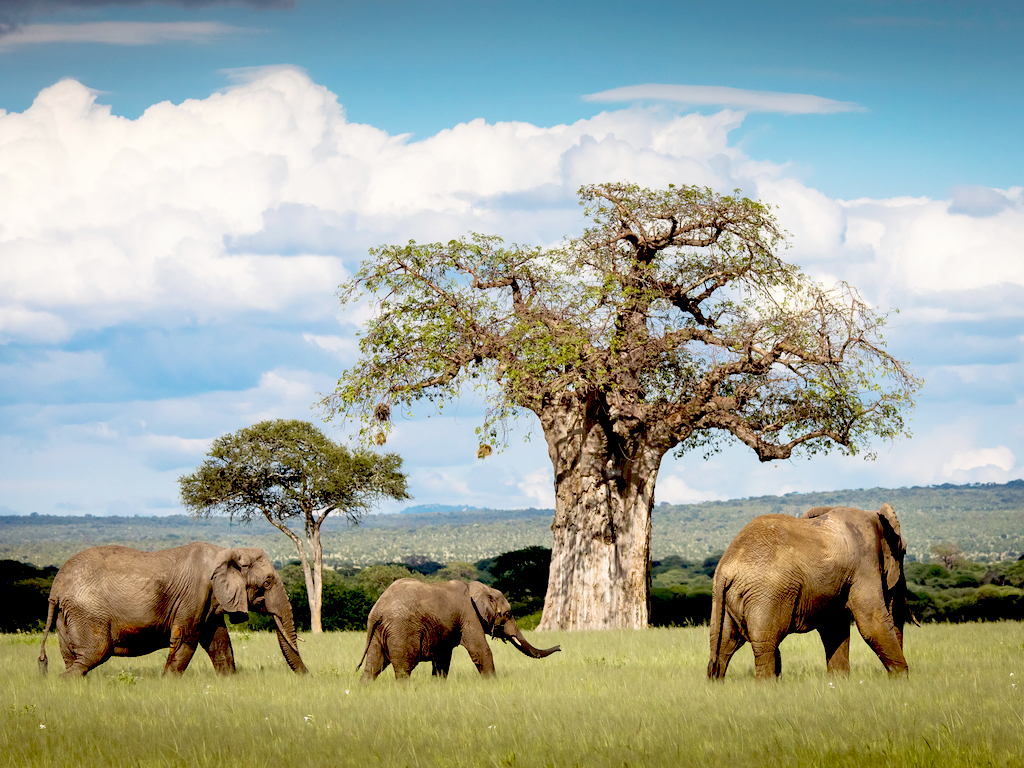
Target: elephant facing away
[(783, 574), (115, 601), (413, 621)]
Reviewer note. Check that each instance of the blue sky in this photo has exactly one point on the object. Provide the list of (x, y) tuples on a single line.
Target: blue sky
[(184, 185)]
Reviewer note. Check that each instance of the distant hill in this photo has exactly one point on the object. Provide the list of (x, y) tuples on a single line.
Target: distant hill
[(421, 508), (987, 521)]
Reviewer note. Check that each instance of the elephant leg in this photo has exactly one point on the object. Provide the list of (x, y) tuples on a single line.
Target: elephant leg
[(181, 652), (442, 661), (404, 665), (217, 643), (876, 626), (836, 639), (766, 631), (83, 645), (406, 651), (84, 662), (881, 636), (767, 625), (67, 655), (376, 661), (480, 653), (62, 641), (730, 641), (767, 659)]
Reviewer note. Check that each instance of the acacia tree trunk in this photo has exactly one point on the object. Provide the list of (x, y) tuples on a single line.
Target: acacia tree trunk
[(601, 555), (315, 582), (312, 572)]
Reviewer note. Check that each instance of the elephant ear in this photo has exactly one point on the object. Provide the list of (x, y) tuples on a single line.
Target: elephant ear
[(484, 603), (893, 546), (229, 581)]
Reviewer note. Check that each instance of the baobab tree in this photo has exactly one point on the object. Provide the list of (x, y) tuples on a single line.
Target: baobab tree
[(670, 324)]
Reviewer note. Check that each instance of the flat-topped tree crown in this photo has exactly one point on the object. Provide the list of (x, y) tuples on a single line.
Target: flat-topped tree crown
[(289, 471), (670, 323)]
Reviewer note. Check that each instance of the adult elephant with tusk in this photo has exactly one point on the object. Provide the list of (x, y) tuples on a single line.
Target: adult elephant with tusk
[(413, 621), (115, 601)]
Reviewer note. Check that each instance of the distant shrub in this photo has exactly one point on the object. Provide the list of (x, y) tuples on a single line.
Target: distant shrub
[(680, 607), (26, 590), (345, 608), (376, 578), (522, 575), (461, 572)]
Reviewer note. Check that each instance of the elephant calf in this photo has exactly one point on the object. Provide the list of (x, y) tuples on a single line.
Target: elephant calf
[(115, 601), (414, 621), (783, 574)]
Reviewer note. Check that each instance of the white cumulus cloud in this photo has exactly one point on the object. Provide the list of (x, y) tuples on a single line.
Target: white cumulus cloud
[(672, 489), (258, 200), (245, 200), (1000, 456), (540, 487), (249, 200)]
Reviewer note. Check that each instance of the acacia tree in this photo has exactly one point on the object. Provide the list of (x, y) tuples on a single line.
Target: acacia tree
[(948, 553), (289, 470), (669, 324)]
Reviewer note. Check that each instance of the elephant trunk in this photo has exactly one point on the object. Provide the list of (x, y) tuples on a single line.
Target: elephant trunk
[(276, 604), (289, 642), (510, 631)]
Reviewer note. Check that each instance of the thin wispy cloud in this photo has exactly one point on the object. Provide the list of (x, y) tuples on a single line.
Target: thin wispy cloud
[(14, 14), (119, 33), (50, 6), (735, 98)]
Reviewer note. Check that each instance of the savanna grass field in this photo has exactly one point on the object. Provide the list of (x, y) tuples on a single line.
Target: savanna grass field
[(610, 698)]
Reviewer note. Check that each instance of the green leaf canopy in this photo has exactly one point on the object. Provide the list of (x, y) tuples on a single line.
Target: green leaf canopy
[(672, 312), (284, 469)]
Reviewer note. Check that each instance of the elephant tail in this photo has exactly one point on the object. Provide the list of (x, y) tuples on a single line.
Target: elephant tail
[(715, 668), (369, 638), (51, 611)]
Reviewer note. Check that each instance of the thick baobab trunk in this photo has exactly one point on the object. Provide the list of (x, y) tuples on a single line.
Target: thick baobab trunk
[(601, 554)]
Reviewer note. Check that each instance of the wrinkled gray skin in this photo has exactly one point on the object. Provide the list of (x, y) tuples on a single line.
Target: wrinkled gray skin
[(783, 574), (115, 601), (413, 622)]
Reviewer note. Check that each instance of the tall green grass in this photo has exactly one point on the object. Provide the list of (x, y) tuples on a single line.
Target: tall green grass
[(609, 699)]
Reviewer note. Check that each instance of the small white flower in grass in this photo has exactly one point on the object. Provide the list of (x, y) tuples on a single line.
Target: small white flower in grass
[(346, 693), (42, 727)]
